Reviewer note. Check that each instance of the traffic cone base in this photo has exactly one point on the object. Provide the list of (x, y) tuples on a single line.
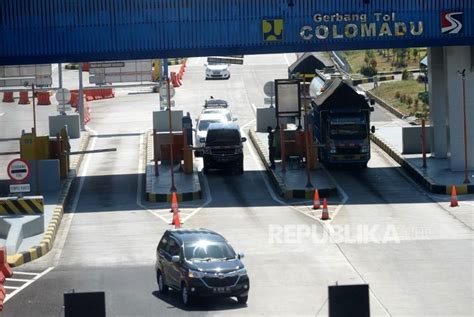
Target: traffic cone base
[(325, 213), (316, 203), (454, 197), (174, 202), (176, 221)]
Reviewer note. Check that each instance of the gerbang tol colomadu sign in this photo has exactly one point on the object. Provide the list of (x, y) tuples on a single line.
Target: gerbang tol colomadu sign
[(375, 25)]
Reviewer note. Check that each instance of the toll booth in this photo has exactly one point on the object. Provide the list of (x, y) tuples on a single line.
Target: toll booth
[(48, 157), (294, 143)]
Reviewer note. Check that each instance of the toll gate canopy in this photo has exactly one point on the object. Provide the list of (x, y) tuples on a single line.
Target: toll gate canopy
[(46, 31)]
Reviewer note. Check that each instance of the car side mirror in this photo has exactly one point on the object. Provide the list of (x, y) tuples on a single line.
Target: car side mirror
[(240, 255), (175, 259), (244, 139), (372, 129)]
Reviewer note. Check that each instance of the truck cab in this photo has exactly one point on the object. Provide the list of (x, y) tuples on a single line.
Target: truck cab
[(341, 117)]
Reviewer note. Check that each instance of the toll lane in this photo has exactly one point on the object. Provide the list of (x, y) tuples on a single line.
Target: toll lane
[(409, 249)]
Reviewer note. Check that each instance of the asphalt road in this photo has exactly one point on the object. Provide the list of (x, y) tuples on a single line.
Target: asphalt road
[(416, 257)]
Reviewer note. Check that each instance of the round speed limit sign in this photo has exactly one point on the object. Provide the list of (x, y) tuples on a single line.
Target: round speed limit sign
[(18, 170)]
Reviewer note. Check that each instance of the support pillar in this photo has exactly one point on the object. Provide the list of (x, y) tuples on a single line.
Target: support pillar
[(458, 58), (438, 100)]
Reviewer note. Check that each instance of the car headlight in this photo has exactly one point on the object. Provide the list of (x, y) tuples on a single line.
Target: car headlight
[(202, 140), (364, 149), (333, 150), (242, 271), (195, 274)]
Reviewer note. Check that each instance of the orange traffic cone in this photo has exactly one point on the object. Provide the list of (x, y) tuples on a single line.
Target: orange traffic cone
[(176, 221), (325, 213), (316, 203), (454, 197), (174, 202)]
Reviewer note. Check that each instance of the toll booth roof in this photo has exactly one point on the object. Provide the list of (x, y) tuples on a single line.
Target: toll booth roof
[(308, 62), (340, 96)]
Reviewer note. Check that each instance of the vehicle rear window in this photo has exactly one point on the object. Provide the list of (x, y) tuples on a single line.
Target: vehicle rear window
[(223, 137), (204, 124)]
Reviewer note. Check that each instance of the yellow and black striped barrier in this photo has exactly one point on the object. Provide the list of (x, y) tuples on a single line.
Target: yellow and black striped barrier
[(371, 80), (22, 206), (155, 197)]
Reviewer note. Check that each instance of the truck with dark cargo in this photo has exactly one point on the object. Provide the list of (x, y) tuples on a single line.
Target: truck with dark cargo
[(341, 122)]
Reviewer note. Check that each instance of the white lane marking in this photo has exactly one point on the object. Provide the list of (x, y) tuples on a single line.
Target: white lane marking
[(248, 123), (286, 60), (140, 180), (18, 280), (82, 173), (343, 201), (25, 273), (254, 108), (11, 287), (37, 277), (207, 202), (325, 225)]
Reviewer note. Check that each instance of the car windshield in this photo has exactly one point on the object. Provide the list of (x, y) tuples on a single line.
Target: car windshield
[(223, 137), (204, 124), (205, 250)]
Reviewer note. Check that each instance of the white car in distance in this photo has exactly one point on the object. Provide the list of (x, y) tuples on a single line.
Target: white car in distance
[(217, 71)]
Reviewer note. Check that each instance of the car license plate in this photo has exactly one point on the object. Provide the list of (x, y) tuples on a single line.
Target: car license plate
[(221, 290)]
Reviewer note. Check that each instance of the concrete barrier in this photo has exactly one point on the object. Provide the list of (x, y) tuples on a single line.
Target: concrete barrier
[(418, 175), (24, 227), (411, 140)]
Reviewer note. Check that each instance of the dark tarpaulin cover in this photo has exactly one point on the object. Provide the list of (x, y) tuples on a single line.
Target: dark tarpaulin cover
[(341, 97), (308, 62)]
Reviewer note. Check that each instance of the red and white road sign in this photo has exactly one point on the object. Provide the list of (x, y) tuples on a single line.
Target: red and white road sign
[(18, 170)]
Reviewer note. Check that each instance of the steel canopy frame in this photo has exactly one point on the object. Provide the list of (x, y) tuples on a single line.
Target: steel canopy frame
[(51, 31)]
